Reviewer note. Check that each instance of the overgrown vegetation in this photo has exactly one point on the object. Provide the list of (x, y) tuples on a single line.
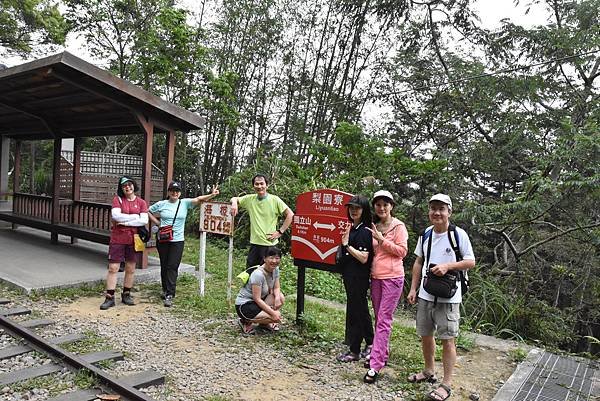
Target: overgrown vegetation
[(505, 120)]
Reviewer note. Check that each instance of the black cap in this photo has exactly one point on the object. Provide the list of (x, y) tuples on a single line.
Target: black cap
[(174, 186), (355, 200)]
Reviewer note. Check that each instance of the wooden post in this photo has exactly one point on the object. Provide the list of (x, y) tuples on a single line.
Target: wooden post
[(16, 176), (17, 170), (54, 216), (148, 127), (4, 156), (76, 182), (170, 157)]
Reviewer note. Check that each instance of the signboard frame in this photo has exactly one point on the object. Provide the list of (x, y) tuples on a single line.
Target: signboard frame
[(310, 206), (204, 226)]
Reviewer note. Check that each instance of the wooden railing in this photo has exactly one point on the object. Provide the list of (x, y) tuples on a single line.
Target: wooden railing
[(34, 206), (88, 215)]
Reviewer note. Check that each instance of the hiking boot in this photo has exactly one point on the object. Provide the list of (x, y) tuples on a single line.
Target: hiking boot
[(109, 302), (127, 299), (168, 301)]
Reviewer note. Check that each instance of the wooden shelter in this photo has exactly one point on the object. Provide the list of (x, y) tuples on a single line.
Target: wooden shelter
[(60, 97)]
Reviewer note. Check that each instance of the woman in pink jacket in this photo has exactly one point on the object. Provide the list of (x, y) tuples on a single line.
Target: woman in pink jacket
[(387, 277)]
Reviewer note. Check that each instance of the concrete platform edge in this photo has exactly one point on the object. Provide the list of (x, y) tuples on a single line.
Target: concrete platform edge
[(521, 373)]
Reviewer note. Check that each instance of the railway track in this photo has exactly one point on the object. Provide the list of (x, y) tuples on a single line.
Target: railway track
[(126, 388)]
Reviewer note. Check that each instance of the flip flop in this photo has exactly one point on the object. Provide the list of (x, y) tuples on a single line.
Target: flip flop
[(425, 377), (435, 394), (247, 328)]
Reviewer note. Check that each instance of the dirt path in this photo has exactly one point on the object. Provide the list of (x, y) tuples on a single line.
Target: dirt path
[(310, 377)]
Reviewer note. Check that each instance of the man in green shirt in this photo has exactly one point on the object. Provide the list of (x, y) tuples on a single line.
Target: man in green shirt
[(264, 210)]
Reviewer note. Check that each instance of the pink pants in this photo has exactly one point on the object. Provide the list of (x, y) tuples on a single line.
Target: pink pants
[(385, 294)]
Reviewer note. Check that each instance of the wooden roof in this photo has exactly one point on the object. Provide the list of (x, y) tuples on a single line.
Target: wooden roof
[(63, 95)]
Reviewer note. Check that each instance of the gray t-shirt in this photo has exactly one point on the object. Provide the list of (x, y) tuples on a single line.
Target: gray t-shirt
[(261, 278)]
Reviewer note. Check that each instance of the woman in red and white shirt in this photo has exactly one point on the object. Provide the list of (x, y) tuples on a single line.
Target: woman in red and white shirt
[(128, 213)]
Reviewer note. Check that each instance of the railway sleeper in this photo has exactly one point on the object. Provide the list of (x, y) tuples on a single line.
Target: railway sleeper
[(137, 380), (16, 311), (10, 352), (44, 370)]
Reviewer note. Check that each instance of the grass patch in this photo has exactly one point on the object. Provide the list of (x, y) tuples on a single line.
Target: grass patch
[(51, 383), (91, 343), (84, 379), (68, 293), (517, 355)]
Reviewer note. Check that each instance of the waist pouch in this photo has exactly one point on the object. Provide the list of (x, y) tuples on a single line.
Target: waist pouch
[(440, 286)]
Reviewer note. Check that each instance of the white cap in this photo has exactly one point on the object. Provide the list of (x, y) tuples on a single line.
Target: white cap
[(442, 198), (383, 194)]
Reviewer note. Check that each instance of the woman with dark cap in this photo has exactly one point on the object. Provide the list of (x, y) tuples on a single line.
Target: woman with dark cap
[(173, 212), (355, 263), (387, 277), (128, 213)]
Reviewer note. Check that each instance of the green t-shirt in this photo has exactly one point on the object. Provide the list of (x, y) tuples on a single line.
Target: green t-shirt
[(264, 214)]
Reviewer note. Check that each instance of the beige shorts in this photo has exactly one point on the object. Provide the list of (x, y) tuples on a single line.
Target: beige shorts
[(441, 320)]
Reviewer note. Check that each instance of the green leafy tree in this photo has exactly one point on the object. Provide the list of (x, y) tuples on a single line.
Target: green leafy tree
[(28, 24)]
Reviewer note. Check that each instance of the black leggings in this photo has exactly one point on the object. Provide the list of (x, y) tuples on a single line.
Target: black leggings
[(170, 256), (359, 326)]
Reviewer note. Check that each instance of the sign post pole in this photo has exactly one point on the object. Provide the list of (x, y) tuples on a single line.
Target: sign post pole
[(229, 270), (300, 285), (202, 262)]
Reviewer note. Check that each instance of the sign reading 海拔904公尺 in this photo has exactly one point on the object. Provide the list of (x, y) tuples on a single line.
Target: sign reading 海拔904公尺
[(319, 221), (215, 217)]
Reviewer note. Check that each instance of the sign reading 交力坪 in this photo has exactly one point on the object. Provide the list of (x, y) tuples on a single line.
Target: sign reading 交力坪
[(317, 228)]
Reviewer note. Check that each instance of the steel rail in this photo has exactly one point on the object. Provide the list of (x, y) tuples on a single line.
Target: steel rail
[(73, 360)]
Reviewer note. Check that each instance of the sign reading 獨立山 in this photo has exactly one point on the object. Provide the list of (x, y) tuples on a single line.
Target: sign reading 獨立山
[(319, 221)]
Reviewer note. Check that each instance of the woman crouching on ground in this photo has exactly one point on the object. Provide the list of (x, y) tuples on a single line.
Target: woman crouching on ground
[(260, 299), (387, 277), (128, 213)]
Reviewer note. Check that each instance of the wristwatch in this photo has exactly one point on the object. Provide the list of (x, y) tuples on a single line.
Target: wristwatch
[(279, 231)]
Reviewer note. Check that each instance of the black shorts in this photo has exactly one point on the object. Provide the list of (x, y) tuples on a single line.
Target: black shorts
[(248, 311), (256, 255)]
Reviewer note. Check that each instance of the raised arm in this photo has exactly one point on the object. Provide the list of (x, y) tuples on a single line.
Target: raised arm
[(202, 198)]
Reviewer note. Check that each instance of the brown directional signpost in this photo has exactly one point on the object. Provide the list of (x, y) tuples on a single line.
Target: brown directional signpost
[(319, 221)]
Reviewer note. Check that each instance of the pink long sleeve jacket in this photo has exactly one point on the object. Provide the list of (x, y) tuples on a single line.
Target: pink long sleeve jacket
[(389, 255)]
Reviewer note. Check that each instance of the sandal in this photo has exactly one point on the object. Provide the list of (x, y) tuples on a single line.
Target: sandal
[(371, 376), (246, 327), (425, 377), (348, 357), (366, 353), (435, 394)]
